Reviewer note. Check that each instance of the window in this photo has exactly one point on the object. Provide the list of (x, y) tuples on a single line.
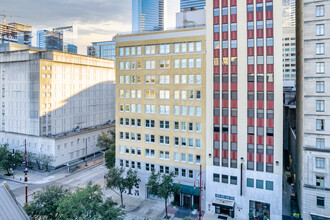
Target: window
[(224, 178), (250, 26), (150, 49), (191, 47), (164, 64), (320, 181), (260, 42), (176, 48), (250, 42), (198, 159), (176, 156), (259, 7), (250, 8), (320, 86), (164, 94), (320, 201), (233, 180), (320, 143), (233, 26), (320, 124), (149, 123), (250, 182), (320, 162), (164, 109), (164, 139), (198, 46), (198, 63), (183, 157), (260, 24), (164, 124), (183, 47), (164, 79), (320, 67), (250, 60), (190, 63), (224, 27), (176, 79), (320, 105), (269, 185), (190, 158), (198, 79), (269, 42), (183, 63), (183, 173), (150, 64), (319, 48), (319, 29), (319, 11), (164, 48), (259, 184), (269, 6), (176, 63), (216, 177), (269, 24)]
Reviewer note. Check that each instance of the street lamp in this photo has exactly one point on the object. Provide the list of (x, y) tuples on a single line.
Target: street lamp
[(201, 186)]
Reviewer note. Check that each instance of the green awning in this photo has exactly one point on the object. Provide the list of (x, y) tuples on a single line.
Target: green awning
[(190, 190)]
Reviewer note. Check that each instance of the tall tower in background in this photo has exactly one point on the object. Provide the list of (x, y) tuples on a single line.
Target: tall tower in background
[(313, 103), (147, 15), (197, 4), (70, 35), (245, 93), (289, 13)]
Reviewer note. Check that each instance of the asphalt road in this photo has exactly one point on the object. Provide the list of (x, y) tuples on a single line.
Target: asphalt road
[(78, 179)]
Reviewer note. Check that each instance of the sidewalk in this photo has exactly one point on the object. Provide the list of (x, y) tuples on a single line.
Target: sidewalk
[(42, 177)]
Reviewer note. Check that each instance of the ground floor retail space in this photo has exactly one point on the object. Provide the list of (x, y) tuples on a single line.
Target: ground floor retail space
[(188, 197)]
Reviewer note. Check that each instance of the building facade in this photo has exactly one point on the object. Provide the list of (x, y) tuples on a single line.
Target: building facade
[(147, 15), (188, 4), (104, 49), (244, 133), (70, 35), (289, 13), (50, 97), (289, 55), (160, 107), (313, 46)]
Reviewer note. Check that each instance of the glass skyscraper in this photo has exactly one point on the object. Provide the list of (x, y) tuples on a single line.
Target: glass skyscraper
[(104, 49), (147, 15), (197, 4)]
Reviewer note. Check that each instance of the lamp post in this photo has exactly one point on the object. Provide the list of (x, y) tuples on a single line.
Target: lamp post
[(202, 188)]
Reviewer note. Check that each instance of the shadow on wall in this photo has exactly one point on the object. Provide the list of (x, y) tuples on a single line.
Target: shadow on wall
[(87, 108)]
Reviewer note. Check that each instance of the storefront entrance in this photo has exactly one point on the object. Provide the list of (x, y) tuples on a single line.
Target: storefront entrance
[(187, 201), (259, 209), (224, 207)]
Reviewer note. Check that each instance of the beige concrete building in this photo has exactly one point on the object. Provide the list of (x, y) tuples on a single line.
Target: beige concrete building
[(313, 98), (56, 101), (160, 106)]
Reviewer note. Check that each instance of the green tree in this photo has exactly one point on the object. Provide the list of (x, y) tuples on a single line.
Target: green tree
[(107, 140), (45, 202), (87, 203), (132, 180), (7, 160), (116, 179), (162, 186)]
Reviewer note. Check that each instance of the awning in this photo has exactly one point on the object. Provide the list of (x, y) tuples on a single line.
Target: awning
[(223, 202), (319, 216), (190, 190)]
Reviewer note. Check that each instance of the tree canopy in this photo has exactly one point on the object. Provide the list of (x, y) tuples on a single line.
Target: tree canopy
[(116, 179), (107, 140), (162, 186), (53, 202), (7, 160)]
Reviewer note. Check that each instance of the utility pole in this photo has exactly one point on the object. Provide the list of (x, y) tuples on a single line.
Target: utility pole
[(25, 175), (200, 192), (12, 163), (86, 152)]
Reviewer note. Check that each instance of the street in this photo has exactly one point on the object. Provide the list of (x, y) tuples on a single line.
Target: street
[(136, 208)]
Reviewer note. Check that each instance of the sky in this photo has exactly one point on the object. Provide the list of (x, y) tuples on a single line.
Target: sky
[(97, 20)]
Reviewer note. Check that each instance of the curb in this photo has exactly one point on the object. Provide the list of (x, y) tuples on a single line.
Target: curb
[(33, 183)]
